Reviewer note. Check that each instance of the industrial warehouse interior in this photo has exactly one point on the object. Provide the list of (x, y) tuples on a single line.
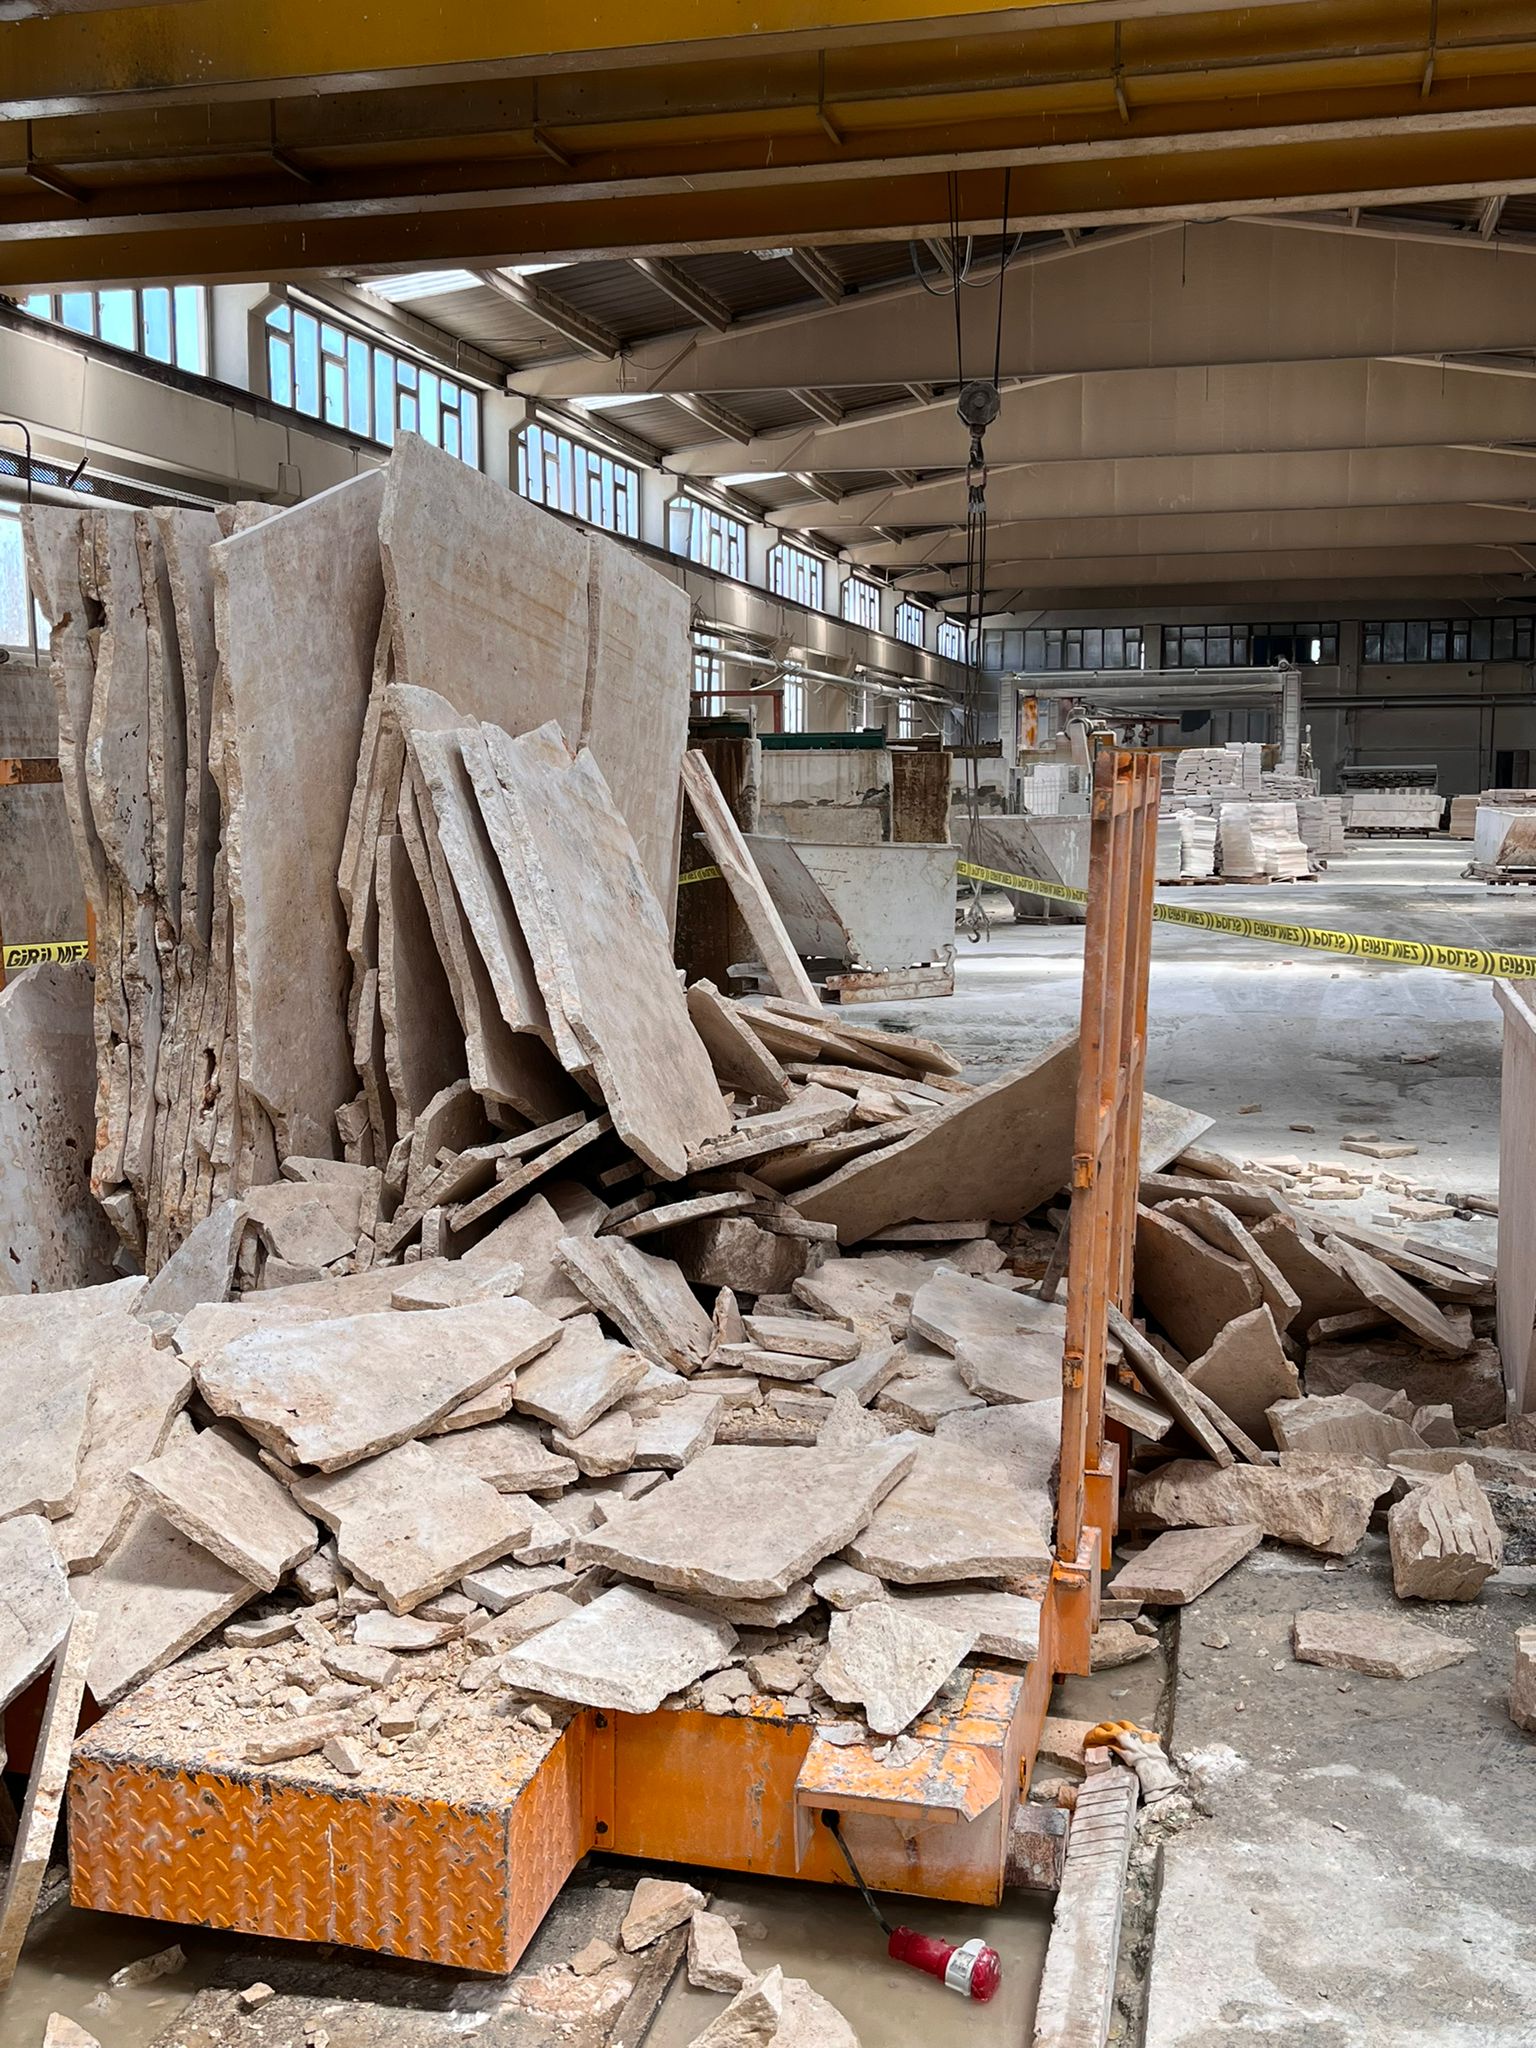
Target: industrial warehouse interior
[(767, 1024)]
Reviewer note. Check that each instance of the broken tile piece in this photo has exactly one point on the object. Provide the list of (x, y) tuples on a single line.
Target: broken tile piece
[(1378, 1645), (1180, 1565), (889, 1661), (746, 1521), (408, 1524), (1005, 1625), (329, 1393), (626, 1651), (211, 1485), (657, 1905)]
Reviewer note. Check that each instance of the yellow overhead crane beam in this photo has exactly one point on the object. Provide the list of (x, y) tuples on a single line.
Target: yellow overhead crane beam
[(259, 138)]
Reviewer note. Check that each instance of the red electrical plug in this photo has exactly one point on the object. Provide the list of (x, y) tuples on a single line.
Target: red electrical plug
[(970, 1967)]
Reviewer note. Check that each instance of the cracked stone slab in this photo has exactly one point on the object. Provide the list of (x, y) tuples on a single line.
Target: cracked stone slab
[(579, 1378), (136, 1396), (1004, 1625), (330, 1393), (1377, 1645), (511, 1456), (1192, 1289), (627, 1651), (214, 1489), (1181, 1564), (35, 1605), (890, 1661), (49, 1342), (408, 1524), (670, 1439), (747, 1521), (951, 1518), (647, 1297), (1245, 1372), (1319, 1500)]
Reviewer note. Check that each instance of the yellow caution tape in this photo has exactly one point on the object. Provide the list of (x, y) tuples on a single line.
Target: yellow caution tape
[(1356, 945), (698, 875), (51, 949)]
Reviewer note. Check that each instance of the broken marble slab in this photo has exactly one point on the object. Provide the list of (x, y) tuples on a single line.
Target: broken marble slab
[(1219, 1227), (137, 1393), (511, 1456), (580, 1377), (925, 1390), (1445, 1541), (409, 1523), (601, 946), (497, 1587), (740, 1059), (828, 1343), (747, 1521), (1312, 1270), (1005, 1625), (1321, 1501), (1190, 1288), (455, 1285), (49, 1344), (1338, 1422), (770, 1365), (844, 1586), (670, 1439), (157, 1596), (602, 1450), (36, 1610), (647, 1297), (201, 1269), (1025, 1440), (891, 1661), (213, 1488), (1377, 1645), (1181, 1564), (852, 1291), (625, 1652), (332, 1392), (950, 1518), (1401, 1300), (1245, 1372), (863, 1377), (998, 1152)]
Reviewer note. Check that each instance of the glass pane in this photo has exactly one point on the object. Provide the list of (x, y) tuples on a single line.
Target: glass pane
[(306, 352), (190, 354), (1133, 647), (357, 385), (39, 304), (157, 324), (383, 396), (451, 432), (1093, 648), (13, 587), (469, 427), (1392, 640), (1114, 647), (431, 427), (1034, 648), (1460, 640), (78, 310), (330, 340), (1522, 639), (281, 317), (406, 373), (334, 378), (1013, 649), (407, 413), (1481, 638), (279, 370), (1371, 642), (991, 648), (1438, 637), (1193, 655), (116, 313), (1417, 648), (1503, 639), (1330, 654)]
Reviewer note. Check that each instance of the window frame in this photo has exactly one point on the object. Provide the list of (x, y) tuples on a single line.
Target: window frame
[(724, 535), (577, 466), (911, 613), (853, 597), (798, 575), (183, 302), (355, 379), (953, 632), (1507, 637)]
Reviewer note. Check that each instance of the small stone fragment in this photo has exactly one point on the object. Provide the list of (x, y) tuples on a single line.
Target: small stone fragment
[(358, 1665), (63, 2032), (659, 1904), (1445, 1541), (844, 1586), (714, 1955), (775, 1671), (752, 2018), (254, 1995), (1522, 1691), (1379, 1645), (164, 1962), (344, 1755), (597, 1955), (1118, 1642)]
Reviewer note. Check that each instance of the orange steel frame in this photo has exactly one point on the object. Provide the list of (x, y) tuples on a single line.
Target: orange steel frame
[(205, 1839), (1105, 1172)]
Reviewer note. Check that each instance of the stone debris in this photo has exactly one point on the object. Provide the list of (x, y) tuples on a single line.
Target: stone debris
[(1445, 1541), (1340, 1422), (165, 1962), (63, 2032), (950, 1518), (1245, 1372), (714, 1954), (1522, 1689), (1319, 1501), (657, 1905), (1378, 1645), (211, 1485), (890, 1661), (626, 1651), (753, 2017), (37, 1609)]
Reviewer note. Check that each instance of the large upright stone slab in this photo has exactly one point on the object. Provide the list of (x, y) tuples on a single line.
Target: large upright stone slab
[(55, 1235), (998, 1153), (298, 599), (1192, 1289), (329, 1393), (410, 1523), (1245, 1372), (626, 1652), (952, 1518), (1315, 1274), (1221, 1228), (601, 947), (745, 1522), (1400, 1299)]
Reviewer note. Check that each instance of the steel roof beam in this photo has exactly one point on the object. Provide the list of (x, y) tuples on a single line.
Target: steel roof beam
[(553, 312), (694, 298)]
